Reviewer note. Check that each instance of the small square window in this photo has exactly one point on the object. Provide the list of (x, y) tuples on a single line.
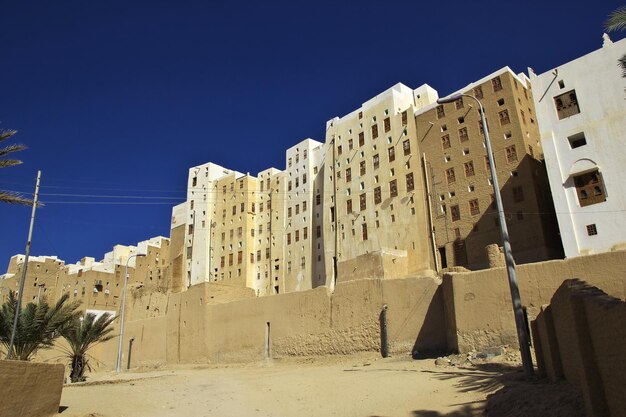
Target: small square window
[(561, 84), (577, 140), (592, 230)]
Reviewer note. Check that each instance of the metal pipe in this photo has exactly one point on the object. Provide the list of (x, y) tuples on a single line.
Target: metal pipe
[(130, 350), (384, 341), (430, 214), (518, 311)]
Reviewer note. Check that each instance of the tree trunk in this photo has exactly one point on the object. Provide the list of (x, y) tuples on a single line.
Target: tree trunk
[(79, 365)]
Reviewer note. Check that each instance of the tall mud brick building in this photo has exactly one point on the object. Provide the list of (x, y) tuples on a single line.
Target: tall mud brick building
[(462, 206)]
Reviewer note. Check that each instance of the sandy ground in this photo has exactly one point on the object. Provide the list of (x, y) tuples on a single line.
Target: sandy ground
[(355, 386)]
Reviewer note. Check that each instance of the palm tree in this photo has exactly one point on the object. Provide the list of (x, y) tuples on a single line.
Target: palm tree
[(615, 23), (84, 333), (38, 325), (8, 196)]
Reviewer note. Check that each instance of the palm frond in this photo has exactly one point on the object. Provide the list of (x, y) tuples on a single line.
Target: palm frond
[(12, 148), (616, 20), (38, 325), (84, 333), (14, 198), (7, 133), (622, 63), (5, 163)]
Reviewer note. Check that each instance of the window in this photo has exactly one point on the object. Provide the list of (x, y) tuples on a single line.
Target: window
[(478, 92), (349, 206), (222, 262), (305, 155), (362, 202), (461, 119), (440, 111), (318, 199), (305, 233), (288, 213), (251, 258), (487, 165), (463, 137), (523, 116), (377, 195), (410, 184), (258, 253), (590, 188), (267, 255), (392, 154), (592, 230), (288, 241), (455, 213), (297, 208), (304, 178), (374, 131), (577, 140), (230, 259), (450, 177), (297, 235), (445, 141), (362, 168), (511, 154), (404, 118), (360, 115), (348, 174), (297, 182), (496, 83), (364, 231), (406, 146), (303, 206), (518, 194), (387, 124), (361, 139), (289, 162), (459, 103), (339, 150), (474, 207), (566, 104), (239, 257), (318, 231), (469, 168), (289, 186), (504, 117), (376, 161), (350, 144), (393, 188), (190, 229)]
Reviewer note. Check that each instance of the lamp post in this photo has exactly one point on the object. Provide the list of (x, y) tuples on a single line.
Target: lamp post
[(520, 322), (118, 368)]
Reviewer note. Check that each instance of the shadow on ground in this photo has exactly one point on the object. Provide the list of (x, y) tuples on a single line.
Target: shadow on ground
[(511, 394)]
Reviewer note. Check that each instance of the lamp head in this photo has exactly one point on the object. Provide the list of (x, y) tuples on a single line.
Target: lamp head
[(449, 99)]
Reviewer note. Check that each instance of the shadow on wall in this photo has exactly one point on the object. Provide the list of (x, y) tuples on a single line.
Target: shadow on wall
[(431, 330), (511, 394), (530, 219)]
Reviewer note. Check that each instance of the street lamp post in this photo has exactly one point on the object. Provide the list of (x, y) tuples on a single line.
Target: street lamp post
[(118, 368), (518, 311)]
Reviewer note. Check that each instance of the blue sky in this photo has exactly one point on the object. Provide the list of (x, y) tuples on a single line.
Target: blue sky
[(121, 98)]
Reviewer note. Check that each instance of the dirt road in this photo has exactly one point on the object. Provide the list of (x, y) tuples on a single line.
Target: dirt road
[(363, 386)]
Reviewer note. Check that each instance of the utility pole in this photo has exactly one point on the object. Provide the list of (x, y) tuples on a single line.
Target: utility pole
[(18, 307)]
